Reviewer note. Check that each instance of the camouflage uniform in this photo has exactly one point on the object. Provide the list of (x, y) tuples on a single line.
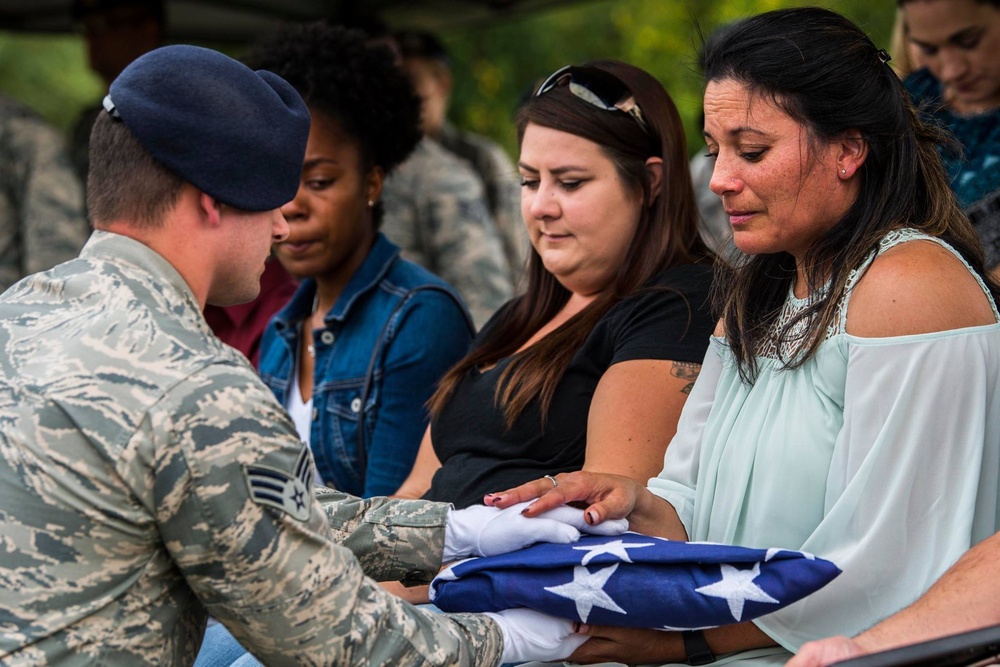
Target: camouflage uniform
[(503, 189), (41, 202), (436, 212), (149, 478)]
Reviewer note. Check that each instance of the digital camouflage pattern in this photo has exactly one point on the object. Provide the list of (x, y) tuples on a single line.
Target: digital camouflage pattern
[(42, 221), (129, 438), (503, 190), (436, 212)]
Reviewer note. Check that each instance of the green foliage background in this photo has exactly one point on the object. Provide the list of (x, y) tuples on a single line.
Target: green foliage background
[(495, 65)]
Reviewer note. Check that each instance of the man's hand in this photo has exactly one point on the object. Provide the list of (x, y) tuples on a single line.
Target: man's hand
[(531, 635)]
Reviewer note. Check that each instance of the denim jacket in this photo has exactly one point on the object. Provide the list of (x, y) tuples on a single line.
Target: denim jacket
[(388, 339)]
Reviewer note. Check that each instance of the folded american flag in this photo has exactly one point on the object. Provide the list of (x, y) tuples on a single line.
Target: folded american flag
[(635, 580)]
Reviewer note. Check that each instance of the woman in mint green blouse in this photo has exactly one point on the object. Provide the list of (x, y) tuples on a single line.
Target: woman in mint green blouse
[(849, 403)]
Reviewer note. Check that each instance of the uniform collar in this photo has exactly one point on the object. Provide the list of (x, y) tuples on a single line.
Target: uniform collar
[(134, 255)]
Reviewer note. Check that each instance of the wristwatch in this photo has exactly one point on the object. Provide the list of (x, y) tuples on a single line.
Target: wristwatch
[(696, 648)]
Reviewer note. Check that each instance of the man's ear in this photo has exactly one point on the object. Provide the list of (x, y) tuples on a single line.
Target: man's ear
[(852, 150), (210, 209), (654, 172)]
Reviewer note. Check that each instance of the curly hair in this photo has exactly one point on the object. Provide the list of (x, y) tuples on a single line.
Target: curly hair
[(356, 84)]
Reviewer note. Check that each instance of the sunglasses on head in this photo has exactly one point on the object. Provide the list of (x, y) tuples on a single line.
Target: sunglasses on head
[(596, 87)]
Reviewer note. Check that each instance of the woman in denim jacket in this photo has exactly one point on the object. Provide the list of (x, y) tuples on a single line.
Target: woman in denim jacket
[(360, 347)]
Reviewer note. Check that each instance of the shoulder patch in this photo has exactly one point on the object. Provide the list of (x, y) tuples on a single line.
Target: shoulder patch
[(275, 488)]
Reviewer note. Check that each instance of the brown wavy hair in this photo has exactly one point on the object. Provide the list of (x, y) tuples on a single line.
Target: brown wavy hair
[(666, 236)]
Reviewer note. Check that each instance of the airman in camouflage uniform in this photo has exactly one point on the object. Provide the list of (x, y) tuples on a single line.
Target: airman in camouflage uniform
[(135, 450), (503, 190), (435, 210), (149, 478), (41, 201), (429, 67)]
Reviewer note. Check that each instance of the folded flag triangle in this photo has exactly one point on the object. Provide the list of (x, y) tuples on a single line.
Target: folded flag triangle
[(636, 581)]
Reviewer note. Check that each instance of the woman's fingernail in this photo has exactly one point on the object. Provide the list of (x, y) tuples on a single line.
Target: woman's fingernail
[(591, 517), (496, 498)]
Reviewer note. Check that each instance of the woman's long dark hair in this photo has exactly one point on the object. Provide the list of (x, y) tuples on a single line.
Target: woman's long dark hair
[(827, 74), (666, 236)]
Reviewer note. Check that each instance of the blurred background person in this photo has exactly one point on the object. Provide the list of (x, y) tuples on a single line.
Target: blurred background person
[(437, 212), (905, 54), (959, 89), (115, 32), (712, 219), (429, 66), (42, 221)]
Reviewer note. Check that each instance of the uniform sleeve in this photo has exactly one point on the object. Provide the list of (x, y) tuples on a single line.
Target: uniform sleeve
[(677, 482), (665, 322), (53, 227), (913, 479), (432, 335), (273, 563)]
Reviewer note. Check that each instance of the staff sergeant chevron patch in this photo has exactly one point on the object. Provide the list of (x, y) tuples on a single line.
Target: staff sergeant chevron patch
[(278, 489)]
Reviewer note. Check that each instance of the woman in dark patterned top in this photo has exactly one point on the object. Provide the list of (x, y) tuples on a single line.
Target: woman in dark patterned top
[(960, 89)]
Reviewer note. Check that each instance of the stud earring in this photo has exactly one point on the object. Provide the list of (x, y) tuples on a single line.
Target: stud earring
[(371, 204), (843, 171)]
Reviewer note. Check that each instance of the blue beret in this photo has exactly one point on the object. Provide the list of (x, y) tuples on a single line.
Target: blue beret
[(235, 134)]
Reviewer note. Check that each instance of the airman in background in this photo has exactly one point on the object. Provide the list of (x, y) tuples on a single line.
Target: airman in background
[(41, 201), (429, 66)]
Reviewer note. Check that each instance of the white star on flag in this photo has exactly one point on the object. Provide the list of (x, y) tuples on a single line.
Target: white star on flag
[(736, 588), (587, 590), (772, 552), (615, 548)]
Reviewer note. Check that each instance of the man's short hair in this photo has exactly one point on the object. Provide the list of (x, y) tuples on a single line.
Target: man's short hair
[(125, 182)]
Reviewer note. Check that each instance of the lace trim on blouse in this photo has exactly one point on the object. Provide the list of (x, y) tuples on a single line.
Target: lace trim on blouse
[(785, 348)]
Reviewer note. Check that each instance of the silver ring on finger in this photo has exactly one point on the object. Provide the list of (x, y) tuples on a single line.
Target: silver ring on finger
[(552, 479)]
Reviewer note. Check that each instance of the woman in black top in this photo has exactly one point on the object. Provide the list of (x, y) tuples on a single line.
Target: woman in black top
[(591, 366)]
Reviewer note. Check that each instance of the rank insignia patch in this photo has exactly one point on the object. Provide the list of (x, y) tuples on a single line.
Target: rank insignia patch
[(291, 494)]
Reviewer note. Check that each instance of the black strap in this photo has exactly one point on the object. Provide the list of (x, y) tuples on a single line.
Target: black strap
[(366, 388), (696, 648)]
